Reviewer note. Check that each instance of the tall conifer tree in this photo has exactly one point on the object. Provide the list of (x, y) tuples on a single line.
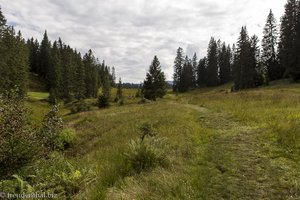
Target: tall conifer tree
[(155, 82)]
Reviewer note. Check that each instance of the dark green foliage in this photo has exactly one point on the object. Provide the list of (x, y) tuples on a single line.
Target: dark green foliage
[(147, 130), (187, 76), (148, 152), (53, 96), (258, 78), (14, 59), (212, 64), (178, 65), (55, 75), (45, 65), (103, 101), (288, 47), (33, 46), (2, 21), (270, 62), (91, 75), (224, 64), (155, 83), (119, 95), (247, 72), (16, 136), (195, 68), (51, 129), (106, 87), (80, 89), (80, 106), (201, 77)]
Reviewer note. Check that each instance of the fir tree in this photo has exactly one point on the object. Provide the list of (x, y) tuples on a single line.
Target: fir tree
[(212, 64), (80, 89), (186, 76), (91, 75), (224, 64), (33, 46), (195, 68), (155, 83), (269, 53), (178, 65), (201, 72), (246, 73), (119, 95), (14, 60), (54, 78), (44, 68), (287, 45)]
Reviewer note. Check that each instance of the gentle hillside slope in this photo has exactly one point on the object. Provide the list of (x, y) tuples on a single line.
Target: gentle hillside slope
[(222, 145)]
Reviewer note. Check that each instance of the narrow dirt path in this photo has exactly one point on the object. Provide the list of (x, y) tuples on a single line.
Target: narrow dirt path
[(235, 162)]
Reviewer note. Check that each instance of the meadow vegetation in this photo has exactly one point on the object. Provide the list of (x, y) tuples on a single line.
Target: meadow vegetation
[(204, 144)]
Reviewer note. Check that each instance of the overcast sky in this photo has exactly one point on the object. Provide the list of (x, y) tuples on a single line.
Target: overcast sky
[(128, 33)]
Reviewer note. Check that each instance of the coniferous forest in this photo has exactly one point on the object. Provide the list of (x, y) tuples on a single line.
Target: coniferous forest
[(226, 127)]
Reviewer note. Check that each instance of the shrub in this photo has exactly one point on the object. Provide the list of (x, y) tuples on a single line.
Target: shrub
[(103, 101), (16, 136), (146, 154), (51, 129), (147, 130), (80, 106), (67, 138)]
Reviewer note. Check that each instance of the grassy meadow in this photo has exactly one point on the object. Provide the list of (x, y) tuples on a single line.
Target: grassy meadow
[(221, 145)]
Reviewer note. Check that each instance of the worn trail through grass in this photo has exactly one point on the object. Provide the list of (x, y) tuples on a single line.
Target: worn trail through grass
[(235, 163)]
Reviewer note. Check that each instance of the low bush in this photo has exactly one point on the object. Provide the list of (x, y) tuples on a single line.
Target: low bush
[(51, 129), (55, 175), (17, 137), (80, 106), (148, 152), (103, 101), (145, 155), (67, 138)]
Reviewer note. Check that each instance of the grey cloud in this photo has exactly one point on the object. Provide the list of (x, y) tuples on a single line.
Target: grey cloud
[(128, 33)]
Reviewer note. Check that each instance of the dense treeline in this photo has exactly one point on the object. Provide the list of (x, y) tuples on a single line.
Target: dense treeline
[(245, 63), (212, 70), (68, 75), (13, 58)]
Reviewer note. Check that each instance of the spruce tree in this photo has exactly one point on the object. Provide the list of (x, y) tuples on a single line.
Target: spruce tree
[(106, 87), (201, 71), (79, 89), (287, 45), (178, 65), (33, 47), (119, 95), (256, 63), (246, 74), (3, 25), (212, 63), (195, 68), (187, 76), (54, 78), (269, 52), (155, 82), (91, 75), (224, 64), (44, 68), (14, 60)]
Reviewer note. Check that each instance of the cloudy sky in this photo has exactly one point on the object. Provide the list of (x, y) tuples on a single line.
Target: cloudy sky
[(128, 33)]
